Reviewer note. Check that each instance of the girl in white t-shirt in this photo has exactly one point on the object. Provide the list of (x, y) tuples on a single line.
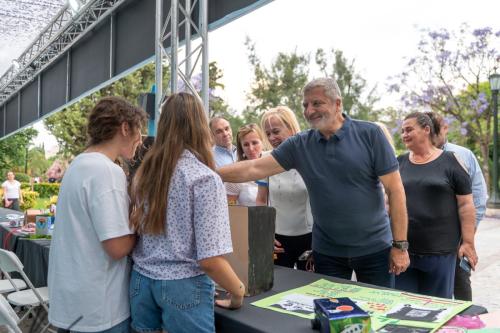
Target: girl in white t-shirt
[(287, 193), (12, 196), (89, 271), (249, 145)]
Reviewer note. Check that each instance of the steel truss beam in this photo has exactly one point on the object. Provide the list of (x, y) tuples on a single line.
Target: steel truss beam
[(62, 32), (180, 15)]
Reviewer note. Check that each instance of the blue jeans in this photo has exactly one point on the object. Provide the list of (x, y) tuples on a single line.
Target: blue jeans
[(432, 275), (184, 305), (123, 327), (371, 268)]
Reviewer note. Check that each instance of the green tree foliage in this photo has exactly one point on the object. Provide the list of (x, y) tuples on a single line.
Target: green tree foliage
[(13, 151), (448, 74), (37, 162), (282, 83), (352, 86)]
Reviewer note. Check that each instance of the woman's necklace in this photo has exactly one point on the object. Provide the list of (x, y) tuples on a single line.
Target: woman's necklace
[(424, 159)]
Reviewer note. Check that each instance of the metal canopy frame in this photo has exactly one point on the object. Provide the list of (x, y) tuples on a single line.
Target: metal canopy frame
[(61, 33), (79, 53), (180, 16)]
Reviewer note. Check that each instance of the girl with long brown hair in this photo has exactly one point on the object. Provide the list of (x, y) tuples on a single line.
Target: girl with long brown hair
[(179, 211)]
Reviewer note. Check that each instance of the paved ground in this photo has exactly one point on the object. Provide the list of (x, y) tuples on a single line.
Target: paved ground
[(486, 278)]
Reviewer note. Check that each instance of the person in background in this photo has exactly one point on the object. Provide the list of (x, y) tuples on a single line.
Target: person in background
[(440, 211), (179, 211), (12, 195), (287, 193), (88, 266), (249, 146), (224, 150), (344, 164), (387, 134), (389, 138), (462, 289)]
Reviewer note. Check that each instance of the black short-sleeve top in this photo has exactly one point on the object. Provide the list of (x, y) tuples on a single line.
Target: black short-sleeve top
[(431, 189)]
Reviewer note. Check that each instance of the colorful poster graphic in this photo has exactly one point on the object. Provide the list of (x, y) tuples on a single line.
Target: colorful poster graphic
[(389, 309)]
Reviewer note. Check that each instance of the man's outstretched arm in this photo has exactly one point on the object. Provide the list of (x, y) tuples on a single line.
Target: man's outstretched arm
[(250, 170)]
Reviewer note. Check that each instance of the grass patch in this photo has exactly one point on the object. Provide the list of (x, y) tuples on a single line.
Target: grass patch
[(41, 203)]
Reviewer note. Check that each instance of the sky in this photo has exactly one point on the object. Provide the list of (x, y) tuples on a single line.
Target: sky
[(379, 35)]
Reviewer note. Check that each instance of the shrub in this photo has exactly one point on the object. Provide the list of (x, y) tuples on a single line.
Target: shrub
[(29, 198), (22, 177), (47, 190)]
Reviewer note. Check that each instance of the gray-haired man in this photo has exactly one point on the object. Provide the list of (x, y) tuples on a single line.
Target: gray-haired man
[(344, 163)]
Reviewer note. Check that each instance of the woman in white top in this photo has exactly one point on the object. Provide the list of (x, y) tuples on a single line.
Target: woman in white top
[(88, 268), (12, 196), (249, 144), (287, 193)]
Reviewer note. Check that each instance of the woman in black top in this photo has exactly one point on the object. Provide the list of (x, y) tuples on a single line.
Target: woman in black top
[(440, 211)]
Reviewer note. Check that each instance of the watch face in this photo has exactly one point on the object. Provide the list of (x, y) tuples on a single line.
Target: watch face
[(402, 245)]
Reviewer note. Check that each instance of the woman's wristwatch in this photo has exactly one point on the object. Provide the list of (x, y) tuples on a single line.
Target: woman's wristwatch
[(402, 244)]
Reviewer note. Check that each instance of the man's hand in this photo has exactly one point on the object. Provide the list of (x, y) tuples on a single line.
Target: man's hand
[(399, 261), (468, 250)]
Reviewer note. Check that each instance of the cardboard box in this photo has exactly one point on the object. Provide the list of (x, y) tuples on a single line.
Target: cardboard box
[(30, 215), (252, 235), (340, 315)]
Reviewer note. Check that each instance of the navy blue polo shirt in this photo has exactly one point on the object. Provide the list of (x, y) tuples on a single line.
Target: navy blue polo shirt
[(341, 175)]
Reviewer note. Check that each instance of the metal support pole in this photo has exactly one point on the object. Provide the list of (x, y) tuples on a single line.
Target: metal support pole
[(4, 118), (174, 44), (39, 96), (494, 201), (68, 76), (158, 66), (19, 109), (204, 56), (187, 38), (112, 45)]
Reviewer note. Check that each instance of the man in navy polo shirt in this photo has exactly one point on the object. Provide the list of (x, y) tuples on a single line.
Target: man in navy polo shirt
[(344, 163)]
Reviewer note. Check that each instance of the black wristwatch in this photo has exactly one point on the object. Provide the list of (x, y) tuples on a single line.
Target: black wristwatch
[(402, 245)]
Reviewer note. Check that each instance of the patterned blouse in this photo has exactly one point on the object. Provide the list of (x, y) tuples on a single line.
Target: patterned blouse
[(197, 225)]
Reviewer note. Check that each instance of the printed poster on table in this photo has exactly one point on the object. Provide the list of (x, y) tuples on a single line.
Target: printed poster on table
[(389, 309)]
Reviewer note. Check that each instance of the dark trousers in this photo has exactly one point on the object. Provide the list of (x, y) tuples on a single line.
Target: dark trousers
[(462, 289), (294, 246), (432, 275), (14, 204), (372, 268)]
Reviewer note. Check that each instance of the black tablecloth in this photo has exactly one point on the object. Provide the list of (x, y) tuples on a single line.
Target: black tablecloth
[(7, 238), (250, 318), (33, 253)]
